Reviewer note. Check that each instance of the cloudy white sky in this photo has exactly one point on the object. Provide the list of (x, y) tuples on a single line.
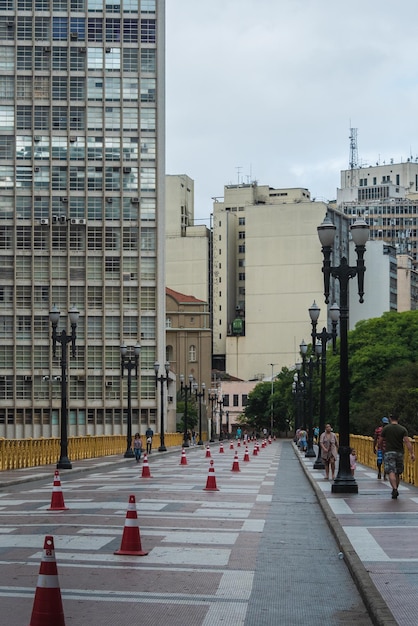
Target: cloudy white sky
[(267, 90)]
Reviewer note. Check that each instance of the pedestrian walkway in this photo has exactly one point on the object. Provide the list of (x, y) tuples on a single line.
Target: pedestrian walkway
[(378, 537), (261, 551)]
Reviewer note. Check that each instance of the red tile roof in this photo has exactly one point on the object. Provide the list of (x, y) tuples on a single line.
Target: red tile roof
[(181, 297)]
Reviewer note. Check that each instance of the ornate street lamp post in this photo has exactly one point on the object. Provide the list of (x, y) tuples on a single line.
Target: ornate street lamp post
[(129, 362), (344, 482), (200, 395), (162, 379), (64, 339), (186, 391), (321, 340), (308, 377), (213, 396), (220, 404)]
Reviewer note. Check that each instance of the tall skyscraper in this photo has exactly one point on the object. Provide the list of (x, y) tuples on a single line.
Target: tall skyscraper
[(81, 208)]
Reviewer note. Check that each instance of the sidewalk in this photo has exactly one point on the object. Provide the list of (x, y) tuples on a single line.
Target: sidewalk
[(378, 537)]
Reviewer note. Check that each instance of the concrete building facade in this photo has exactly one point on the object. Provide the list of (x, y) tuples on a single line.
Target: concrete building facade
[(82, 209)]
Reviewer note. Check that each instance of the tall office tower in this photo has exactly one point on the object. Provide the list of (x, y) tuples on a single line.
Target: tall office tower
[(81, 209)]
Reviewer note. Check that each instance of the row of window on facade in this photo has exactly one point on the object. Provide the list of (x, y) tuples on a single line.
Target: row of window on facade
[(78, 417), (59, 58), (109, 297), (64, 88), (97, 29), (94, 209), (111, 6), (235, 399), (68, 118)]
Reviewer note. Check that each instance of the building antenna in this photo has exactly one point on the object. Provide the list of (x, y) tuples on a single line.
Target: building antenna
[(353, 149), (239, 168)]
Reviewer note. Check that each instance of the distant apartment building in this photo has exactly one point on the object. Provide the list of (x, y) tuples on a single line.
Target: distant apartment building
[(82, 209), (267, 264)]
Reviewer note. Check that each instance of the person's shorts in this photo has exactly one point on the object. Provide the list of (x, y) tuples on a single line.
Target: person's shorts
[(393, 462)]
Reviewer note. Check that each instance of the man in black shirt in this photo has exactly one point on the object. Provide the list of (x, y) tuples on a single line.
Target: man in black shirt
[(395, 436)]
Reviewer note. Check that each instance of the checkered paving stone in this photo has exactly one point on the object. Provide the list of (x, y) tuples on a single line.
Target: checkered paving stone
[(240, 555)]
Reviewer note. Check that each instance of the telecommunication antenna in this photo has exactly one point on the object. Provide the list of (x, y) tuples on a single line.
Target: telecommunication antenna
[(353, 149)]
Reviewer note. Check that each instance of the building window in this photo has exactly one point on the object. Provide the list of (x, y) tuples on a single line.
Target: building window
[(235, 400), (244, 399), (241, 248), (241, 234), (241, 276), (226, 399), (192, 353)]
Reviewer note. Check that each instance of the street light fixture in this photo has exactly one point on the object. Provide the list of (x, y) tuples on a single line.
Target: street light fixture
[(200, 395), (220, 404), (129, 362), (162, 379), (64, 339), (186, 391), (321, 340), (298, 390), (345, 481), (271, 399)]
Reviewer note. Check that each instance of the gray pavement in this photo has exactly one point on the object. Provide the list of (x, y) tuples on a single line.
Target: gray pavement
[(263, 550)]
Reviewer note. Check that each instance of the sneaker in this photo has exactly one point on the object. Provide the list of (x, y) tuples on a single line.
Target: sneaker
[(379, 475), (394, 494)]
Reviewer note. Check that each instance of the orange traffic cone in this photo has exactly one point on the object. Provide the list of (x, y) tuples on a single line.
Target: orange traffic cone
[(57, 498), (231, 445), (235, 464), (221, 448), (208, 454), (211, 481), (183, 460), (131, 539), (239, 443), (255, 449), (269, 438), (47, 607), (246, 455), (145, 468)]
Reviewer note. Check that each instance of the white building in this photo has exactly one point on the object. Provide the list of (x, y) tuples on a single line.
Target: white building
[(82, 209)]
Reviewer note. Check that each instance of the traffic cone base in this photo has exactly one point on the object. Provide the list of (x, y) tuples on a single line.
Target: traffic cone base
[(57, 498), (131, 539), (211, 480), (47, 606), (208, 454)]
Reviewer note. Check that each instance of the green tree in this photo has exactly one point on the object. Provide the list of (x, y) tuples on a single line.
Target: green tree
[(192, 415), (257, 413)]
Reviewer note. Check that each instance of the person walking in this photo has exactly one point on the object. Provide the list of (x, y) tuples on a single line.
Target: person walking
[(395, 436), (137, 447), (353, 461), (329, 450), (379, 445), (149, 434)]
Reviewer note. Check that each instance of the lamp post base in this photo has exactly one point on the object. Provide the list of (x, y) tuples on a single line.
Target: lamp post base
[(186, 444), (162, 449), (129, 454), (200, 442), (319, 464), (310, 453), (64, 463), (344, 485)]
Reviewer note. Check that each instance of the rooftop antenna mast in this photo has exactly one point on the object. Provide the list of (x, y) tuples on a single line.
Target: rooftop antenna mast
[(353, 149)]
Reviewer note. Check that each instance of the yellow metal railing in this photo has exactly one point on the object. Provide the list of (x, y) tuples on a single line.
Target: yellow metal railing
[(20, 453), (366, 456)]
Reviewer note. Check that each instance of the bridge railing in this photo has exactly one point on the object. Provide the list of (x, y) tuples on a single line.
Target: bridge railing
[(366, 456), (20, 453)]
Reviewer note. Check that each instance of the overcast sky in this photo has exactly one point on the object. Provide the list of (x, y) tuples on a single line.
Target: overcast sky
[(267, 90)]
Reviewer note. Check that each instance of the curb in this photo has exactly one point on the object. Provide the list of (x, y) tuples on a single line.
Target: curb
[(376, 606)]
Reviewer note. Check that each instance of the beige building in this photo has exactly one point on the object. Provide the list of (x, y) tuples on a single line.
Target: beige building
[(187, 244), (407, 283), (188, 337), (267, 271)]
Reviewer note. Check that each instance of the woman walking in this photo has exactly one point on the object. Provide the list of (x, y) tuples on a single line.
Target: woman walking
[(329, 450)]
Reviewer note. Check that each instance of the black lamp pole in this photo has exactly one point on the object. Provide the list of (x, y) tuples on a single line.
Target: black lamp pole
[(162, 379), (200, 395), (308, 376), (220, 404), (321, 340), (344, 482), (129, 363), (212, 399), (186, 390), (64, 339)]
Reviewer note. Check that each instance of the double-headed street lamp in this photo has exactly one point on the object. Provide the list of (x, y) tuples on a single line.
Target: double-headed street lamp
[(298, 389), (64, 339), (186, 391), (220, 403), (271, 399), (162, 379), (129, 362), (345, 481), (321, 340), (213, 396), (200, 395)]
